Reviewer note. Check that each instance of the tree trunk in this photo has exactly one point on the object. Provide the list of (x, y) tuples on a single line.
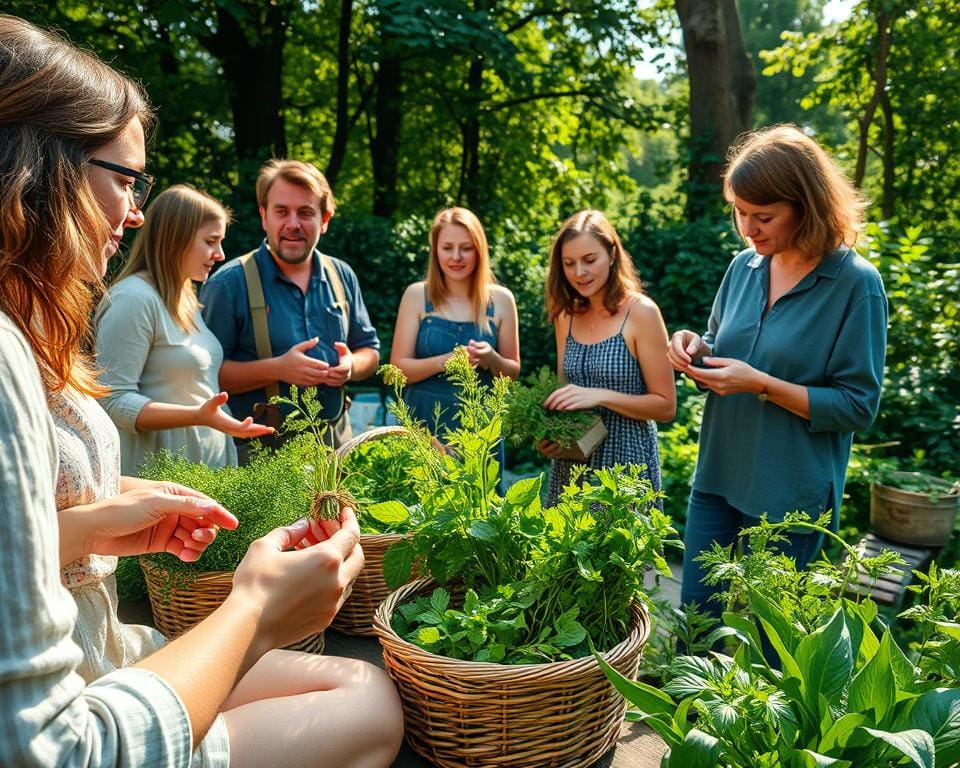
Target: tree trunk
[(342, 132), (385, 145), (252, 58), (470, 135), (722, 88), (884, 22)]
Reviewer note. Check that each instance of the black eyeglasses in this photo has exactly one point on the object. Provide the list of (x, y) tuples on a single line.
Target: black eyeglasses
[(142, 182)]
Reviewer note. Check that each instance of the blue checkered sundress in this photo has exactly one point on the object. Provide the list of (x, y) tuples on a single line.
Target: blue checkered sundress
[(608, 364)]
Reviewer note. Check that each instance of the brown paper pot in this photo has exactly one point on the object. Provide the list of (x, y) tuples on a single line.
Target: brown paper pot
[(587, 443)]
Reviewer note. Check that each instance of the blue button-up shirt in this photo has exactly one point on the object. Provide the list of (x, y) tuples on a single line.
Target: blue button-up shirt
[(829, 334), (292, 317)]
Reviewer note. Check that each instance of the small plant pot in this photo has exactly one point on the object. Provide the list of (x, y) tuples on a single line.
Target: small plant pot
[(468, 713), (912, 517), (585, 445)]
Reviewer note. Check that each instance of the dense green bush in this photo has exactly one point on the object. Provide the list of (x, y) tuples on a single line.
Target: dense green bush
[(921, 394), (682, 265)]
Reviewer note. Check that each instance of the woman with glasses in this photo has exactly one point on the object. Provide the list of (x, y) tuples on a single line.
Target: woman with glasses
[(219, 689), (158, 357)]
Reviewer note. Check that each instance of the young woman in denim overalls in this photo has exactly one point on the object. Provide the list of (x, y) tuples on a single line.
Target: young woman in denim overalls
[(457, 305)]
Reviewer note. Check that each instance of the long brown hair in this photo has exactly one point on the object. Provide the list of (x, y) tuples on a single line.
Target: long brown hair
[(57, 105), (170, 225), (482, 278), (783, 164), (563, 297)]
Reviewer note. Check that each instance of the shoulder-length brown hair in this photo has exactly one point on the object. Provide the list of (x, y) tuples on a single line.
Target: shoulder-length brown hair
[(58, 104), (481, 281), (563, 297), (783, 164), (169, 228)]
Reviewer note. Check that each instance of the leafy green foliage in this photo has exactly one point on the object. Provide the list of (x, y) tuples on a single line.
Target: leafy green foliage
[(937, 654), (380, 475), (131, 584), (679, 447), (526, 420), (539, 584), (844, 693), (921, 392), (272, 490)]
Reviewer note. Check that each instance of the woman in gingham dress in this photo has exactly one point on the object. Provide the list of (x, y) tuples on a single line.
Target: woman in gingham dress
[(611, 347)]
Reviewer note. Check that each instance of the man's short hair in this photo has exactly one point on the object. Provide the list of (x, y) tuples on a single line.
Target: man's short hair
[(295, 172)]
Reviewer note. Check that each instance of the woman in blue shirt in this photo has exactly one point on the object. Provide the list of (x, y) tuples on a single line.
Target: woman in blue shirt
[(458, 304), (793, 354)]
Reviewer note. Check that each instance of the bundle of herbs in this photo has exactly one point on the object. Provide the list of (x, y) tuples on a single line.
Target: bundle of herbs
[(527, 421), (537, 584), (275, 488)]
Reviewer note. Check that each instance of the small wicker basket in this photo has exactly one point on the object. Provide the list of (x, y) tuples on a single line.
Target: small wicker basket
[(458, 713), (369, 590), (178, 606)]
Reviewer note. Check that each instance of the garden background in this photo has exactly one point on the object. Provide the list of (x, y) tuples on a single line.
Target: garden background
[(527, 110)]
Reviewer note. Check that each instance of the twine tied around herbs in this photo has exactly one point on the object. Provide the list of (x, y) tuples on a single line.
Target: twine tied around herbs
[(326, 504)]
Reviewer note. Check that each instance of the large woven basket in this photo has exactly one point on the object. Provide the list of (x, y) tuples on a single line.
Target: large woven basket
[(369, 590), (179, 604), (563, 714)]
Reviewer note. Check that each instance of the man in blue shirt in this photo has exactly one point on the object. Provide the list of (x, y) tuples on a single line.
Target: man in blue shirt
[(320, 333)]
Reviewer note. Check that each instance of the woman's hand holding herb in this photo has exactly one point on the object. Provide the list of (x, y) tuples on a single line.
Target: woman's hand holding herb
[(162, 517), (683, 347), (212, 415), (299, 576), (574, 398)]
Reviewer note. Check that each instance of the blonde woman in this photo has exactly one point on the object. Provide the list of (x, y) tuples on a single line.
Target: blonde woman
[(159, 359), (458, 304)]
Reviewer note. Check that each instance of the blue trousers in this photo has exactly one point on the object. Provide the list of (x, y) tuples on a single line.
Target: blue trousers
[(710, 518)]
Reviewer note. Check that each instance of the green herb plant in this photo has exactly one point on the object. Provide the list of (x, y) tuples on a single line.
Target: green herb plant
[(277, 487), (526, 420), (937, 654), (843, 694), (318, 462), (268, 492), (536, 584), (380, 475), (933, 487)]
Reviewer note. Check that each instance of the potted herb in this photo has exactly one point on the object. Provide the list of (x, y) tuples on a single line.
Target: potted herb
[(578, 433), (276, 488), (914, 508), (489, 650), (842, 692)]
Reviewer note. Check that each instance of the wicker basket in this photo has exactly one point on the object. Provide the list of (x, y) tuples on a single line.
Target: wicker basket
[(369, 590), (177, 607), (463, 713)]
